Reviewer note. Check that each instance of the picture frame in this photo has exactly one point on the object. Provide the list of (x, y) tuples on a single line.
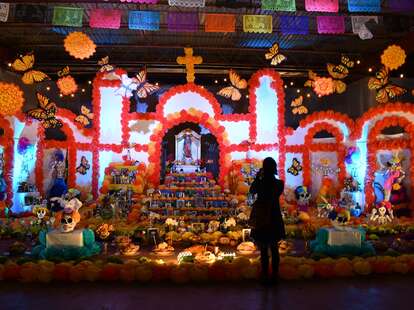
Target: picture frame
[(153, 235), (180, 203), (197, 227), (246, 233)]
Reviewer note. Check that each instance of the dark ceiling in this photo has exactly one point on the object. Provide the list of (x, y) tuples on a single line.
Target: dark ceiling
[(131, 49)]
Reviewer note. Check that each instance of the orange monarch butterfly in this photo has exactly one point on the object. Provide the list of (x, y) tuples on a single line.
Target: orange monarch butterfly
[(296, 167), (24, 65), (385, 90), (45, 113), (105, 66), (340, 71), (298, 107), (274, 55), (144, 88), (233, 91), (85, 117)]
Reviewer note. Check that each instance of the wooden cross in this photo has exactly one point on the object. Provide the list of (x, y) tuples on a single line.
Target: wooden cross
[(189, 61)]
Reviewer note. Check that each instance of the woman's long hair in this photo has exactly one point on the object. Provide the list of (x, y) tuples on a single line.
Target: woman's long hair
[(269, 166)]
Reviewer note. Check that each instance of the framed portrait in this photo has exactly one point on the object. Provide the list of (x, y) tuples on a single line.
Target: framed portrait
[(153, 235), (246, 233)]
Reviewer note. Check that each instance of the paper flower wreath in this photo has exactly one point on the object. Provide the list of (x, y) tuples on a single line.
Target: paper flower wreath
[(393, 57), (79, 45), (11, 99), (67, 85)]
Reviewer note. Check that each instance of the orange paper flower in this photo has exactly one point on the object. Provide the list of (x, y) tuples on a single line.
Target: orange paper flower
[(11, 99), (67, 85), (79, 45), (393, 57), (323, 86)]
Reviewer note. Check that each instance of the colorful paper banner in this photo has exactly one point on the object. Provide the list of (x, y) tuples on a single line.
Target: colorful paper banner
[(67, 16), (182, 22), (294, 24), (279, 5), (364, 5), (330, 24), (322, 6), (188, 3), (359, 28), (105, 18), (144, 20), (141, 1), (30, 13), (220, 23), (257, 23), (401, 5), (4, 12)]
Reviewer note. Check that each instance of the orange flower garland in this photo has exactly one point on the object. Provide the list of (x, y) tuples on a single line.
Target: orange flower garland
[(323, 86), (79, 45), (67, 85), (11, 99), (393, 57)]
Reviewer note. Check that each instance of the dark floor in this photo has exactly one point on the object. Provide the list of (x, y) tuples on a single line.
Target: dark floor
[(375, 293)]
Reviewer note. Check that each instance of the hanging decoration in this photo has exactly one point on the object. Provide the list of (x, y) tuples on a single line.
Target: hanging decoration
[(105, 18), (279, 5), (84, 166), (298, 107), (45, 113), (24, 65), (182, 22), (79, 45), (393, 57), (220, 23), (85, 117), (294, 24), (66, 83), (359, 27), (401, 5), (4, 11), (385, 90), (105, 66), (141, 1), (322, 86), (30, 13), (257, 23), (233, 91), (67, 16), (324, 168), (322, 6), (274, 55), (295, 168), (144, 88), (144, 20), (330, 24), (340, 71), (188, 3), (189, 61), (11, 99), (364, 5)]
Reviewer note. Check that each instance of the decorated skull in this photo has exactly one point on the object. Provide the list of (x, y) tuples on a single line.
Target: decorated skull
[(69, 217)]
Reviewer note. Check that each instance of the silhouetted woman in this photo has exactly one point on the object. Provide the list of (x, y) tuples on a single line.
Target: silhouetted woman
[(266, 219)]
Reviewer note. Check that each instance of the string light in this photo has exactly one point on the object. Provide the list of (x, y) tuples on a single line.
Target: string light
[(72, 95), (402, 75), (308, 95), (291, 83), (247, 96), (369, 69), (48, 88), (215, 81), (358, 62), (285, 86), (89, 82), (156, 84), (202, 86), (225, 79), (9, 64), (83, 90), (60, 95), (298, 90)]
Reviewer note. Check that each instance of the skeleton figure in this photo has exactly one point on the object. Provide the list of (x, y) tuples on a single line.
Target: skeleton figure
[(382, 213), (69, 217)]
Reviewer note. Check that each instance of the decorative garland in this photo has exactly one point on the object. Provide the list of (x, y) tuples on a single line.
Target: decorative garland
[(7, 141)]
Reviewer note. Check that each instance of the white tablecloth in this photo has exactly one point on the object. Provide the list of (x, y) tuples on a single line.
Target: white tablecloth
[(344, 236), (56, 238)]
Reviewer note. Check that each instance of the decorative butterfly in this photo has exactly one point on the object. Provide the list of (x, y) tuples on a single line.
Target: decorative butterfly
[(296, 167), (274, 54), (84, 166), (298, 107), (25, 65), (85, 117), (385, 90), (233, 91), (144, 88), (128, 85), (105, 66), (340, 71), (45, 113), (64, 71)]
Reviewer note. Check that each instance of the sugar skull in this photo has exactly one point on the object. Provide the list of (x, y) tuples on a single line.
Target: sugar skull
[(69, 217)]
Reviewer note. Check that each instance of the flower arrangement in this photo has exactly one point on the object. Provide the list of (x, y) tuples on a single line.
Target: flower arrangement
[(67, 85), (393, 57), (323, 86), (79, 45), (11, 99)]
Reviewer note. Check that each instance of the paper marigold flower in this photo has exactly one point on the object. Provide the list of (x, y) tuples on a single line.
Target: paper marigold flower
[(67, 85), (11, 99), (393, 57), (323, 86), (79, 45)]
